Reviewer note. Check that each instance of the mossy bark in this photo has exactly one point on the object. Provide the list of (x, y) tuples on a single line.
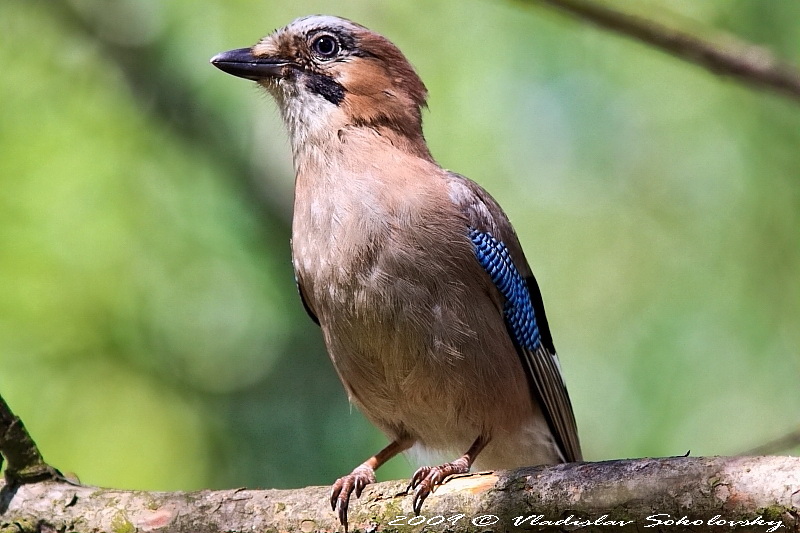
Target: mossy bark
[(699, 494)]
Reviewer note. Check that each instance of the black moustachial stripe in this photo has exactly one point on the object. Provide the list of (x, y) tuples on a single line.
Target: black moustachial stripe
[(329, 89)]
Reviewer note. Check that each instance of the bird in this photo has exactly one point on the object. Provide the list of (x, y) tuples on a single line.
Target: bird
[(426, 302)]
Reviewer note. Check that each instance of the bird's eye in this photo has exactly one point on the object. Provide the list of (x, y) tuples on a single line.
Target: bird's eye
[(325, 47)]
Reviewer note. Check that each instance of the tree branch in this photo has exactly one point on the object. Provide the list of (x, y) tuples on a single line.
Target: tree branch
[(747, 63), (25, 463), (671, 494), (714, 494), (776, 446)]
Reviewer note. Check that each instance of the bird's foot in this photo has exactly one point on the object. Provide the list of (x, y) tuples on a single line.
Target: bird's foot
[(427, 478), (355, 481)]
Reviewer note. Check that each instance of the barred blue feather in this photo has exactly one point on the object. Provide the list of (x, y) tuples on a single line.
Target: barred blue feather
[(518, 310)]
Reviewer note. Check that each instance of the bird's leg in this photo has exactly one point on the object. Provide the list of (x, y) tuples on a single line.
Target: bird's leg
[(361, 476), (427, 478)]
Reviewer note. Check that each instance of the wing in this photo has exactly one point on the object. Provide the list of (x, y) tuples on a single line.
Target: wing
[(498, 251)]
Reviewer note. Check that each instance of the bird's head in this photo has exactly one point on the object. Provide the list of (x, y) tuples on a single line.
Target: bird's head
[(330, 73)]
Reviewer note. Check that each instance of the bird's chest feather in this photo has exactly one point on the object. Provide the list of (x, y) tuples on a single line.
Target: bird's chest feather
[(383, 270), (358, 246)]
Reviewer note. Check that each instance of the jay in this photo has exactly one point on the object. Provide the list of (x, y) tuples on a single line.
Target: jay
[(427, 305)]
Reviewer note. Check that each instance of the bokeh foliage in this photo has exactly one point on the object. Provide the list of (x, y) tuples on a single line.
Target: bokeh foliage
[(150, 334)]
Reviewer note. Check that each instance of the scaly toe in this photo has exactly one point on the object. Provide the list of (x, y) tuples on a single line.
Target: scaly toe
[(427, 478), (347, 485)]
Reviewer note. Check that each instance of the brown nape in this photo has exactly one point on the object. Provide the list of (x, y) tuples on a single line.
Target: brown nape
[(399, 69), (383, 90)]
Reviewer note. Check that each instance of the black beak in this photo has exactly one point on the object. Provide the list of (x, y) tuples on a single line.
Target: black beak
[(242, 63)]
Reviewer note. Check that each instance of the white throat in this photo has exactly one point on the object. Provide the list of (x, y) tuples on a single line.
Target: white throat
[(310, 119)]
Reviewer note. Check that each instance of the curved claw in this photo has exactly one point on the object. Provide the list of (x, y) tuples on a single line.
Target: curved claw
[(341, 512), (427, 478), (420, 495), (418, 476), (347, 485)]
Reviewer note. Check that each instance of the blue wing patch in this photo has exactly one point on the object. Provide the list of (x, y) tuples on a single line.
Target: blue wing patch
[(518, 310)]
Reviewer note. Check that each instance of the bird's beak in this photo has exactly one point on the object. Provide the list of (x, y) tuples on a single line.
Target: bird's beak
[(242, 63)]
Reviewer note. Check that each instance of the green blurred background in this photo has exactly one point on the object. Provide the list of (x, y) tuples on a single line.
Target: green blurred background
[(150, 333)]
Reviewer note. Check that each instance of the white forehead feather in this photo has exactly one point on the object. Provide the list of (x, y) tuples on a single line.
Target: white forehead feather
[(314, 22)]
